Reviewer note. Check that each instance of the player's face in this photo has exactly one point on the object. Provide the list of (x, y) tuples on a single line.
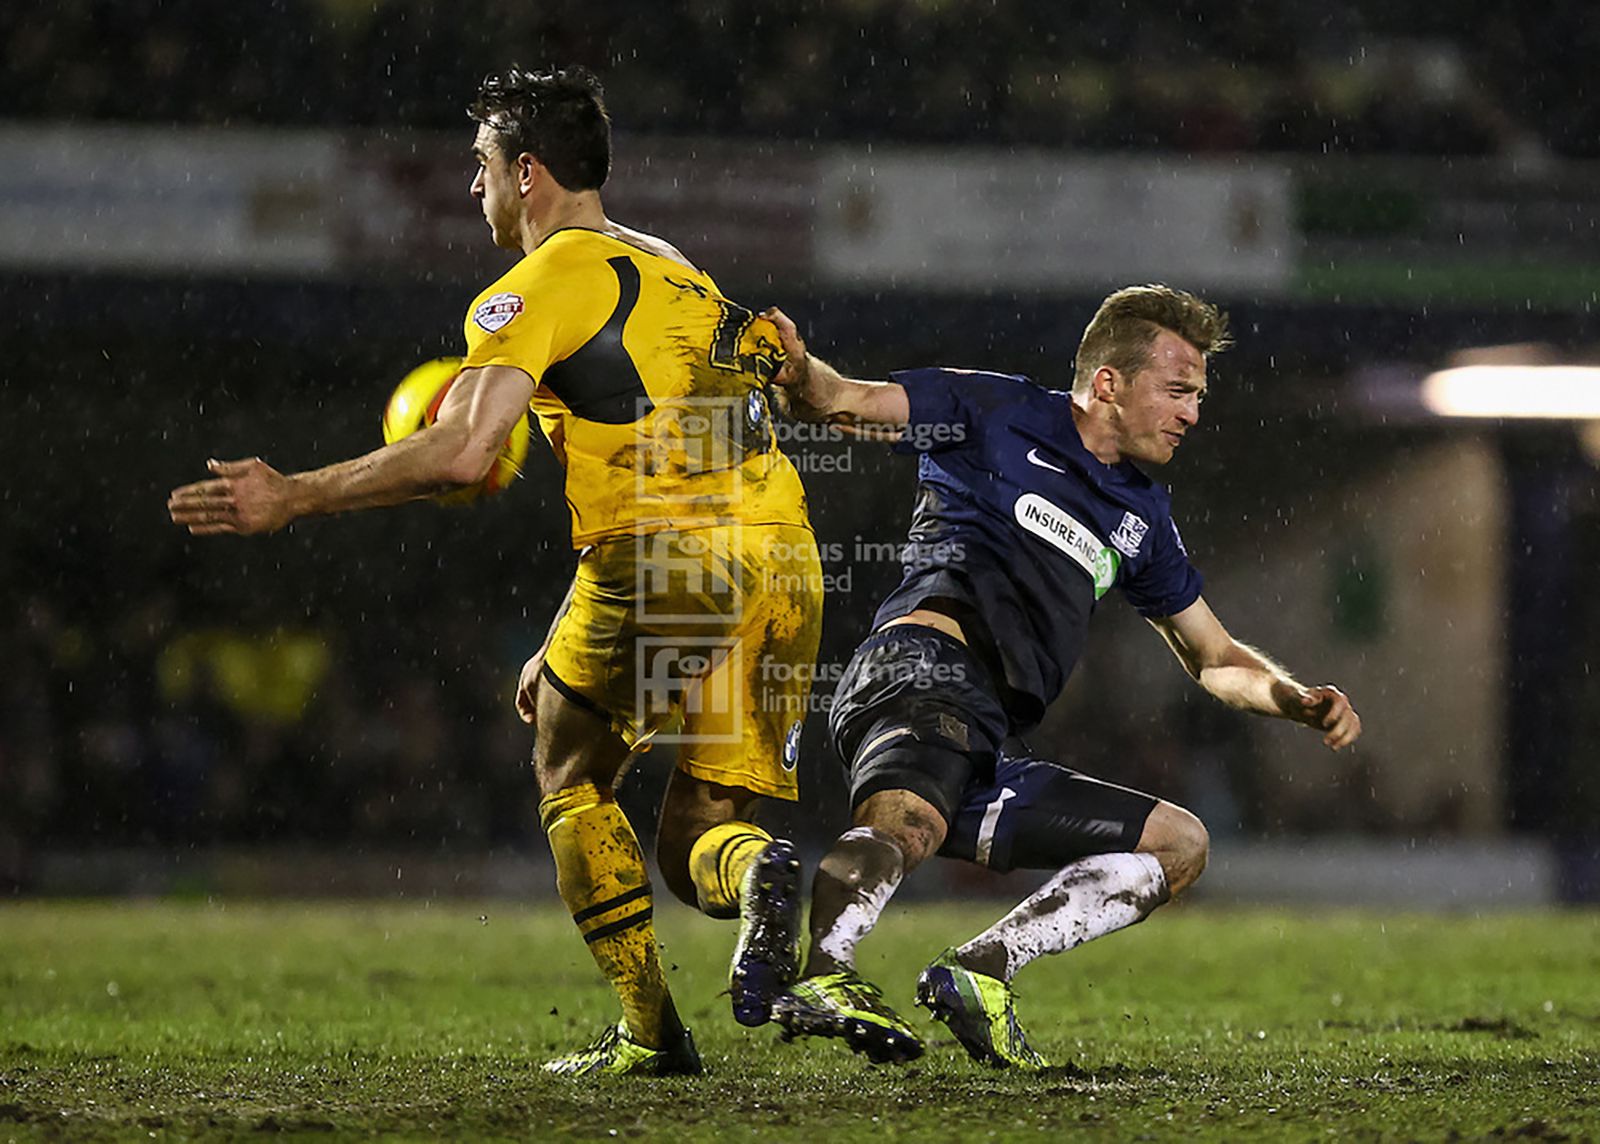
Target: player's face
[(1161, 402), (495, 188)]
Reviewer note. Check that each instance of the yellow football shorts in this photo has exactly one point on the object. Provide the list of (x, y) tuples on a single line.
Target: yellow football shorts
[(706, 638)]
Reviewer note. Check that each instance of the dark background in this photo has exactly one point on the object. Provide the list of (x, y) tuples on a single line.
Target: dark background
[(115, 730)]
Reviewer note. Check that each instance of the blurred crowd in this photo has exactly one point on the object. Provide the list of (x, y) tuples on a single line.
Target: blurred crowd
[(142, 723), (1471, 78), (132, 728)]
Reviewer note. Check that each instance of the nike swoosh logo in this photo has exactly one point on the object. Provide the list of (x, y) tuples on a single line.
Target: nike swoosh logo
[(1035, 459)]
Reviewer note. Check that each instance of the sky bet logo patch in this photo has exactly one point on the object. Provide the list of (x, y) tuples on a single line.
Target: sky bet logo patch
[(496, 310)]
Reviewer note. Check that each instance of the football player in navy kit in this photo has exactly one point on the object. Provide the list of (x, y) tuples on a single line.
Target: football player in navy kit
[(1031, 506)]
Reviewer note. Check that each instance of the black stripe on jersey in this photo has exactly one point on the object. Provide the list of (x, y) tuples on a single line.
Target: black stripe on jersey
[(599, 381)]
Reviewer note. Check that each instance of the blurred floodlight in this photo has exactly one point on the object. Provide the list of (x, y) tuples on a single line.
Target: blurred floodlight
[(1571, 392)]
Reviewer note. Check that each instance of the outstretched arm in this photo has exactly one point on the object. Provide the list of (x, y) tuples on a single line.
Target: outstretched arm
[(815, 391), (1243, 677), (249, 497)]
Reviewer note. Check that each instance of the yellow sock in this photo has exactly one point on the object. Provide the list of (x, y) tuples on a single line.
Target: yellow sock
[(601, 876), (717, 864)]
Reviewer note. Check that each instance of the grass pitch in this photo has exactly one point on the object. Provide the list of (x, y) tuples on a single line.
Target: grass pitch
[(182, 1021)]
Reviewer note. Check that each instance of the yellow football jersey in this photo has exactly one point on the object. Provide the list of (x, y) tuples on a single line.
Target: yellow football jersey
[(651, 387)]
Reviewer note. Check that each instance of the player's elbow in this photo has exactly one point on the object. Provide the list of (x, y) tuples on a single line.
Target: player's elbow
[(443, 457), (466, 468), (464, 460)]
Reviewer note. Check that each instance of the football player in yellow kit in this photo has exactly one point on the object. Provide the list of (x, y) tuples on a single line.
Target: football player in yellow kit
[(697, 568)]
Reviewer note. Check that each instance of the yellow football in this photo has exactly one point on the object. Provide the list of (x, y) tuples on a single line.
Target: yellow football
[(415, 403)]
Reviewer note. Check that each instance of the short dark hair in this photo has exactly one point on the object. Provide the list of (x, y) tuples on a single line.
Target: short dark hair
[(557, 116), (1124, 327)]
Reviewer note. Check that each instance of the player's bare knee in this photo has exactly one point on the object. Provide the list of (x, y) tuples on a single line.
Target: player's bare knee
[(1180, 842), (906, 820), (550, 778), (561, 761), (1196, 851), (559, 773)]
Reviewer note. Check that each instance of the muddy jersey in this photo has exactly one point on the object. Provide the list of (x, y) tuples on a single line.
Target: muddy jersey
[(651, 387), (1019, 530)]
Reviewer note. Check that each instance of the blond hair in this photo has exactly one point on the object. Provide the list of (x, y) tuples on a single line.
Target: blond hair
[(1126, 324)]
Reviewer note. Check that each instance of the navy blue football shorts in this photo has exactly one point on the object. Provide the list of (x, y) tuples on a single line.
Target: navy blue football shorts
[(915, 710)]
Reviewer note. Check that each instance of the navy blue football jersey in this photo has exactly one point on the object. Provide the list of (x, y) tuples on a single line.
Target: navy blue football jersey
[(1018, 525)]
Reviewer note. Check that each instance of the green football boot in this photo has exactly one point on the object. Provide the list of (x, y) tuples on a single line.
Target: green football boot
[(615, 1053), (980, 1011), (844, 1005)]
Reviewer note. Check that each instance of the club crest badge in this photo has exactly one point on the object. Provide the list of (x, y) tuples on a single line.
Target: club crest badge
[(1129, 535)]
